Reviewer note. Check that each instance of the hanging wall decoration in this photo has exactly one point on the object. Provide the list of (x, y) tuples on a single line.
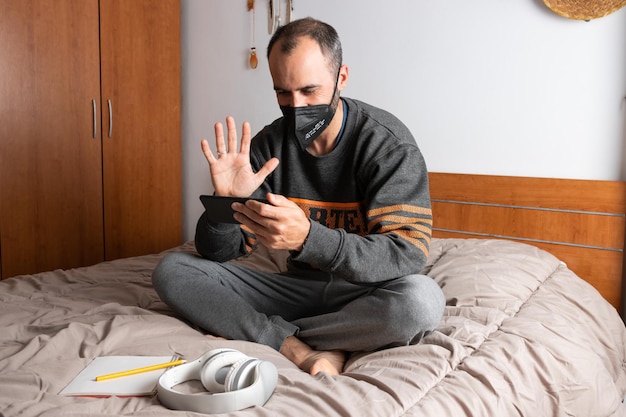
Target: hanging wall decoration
[(275, 14), (271, 19), (253, 61), (584, 9), (289, 11)]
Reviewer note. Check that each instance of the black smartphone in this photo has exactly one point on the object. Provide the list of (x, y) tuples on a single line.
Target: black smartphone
[(218, 208)]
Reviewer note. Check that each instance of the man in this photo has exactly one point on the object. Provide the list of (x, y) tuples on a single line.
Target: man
[(348, 198)]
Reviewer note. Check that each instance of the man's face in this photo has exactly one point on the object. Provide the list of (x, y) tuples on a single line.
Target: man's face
[(302, 78)]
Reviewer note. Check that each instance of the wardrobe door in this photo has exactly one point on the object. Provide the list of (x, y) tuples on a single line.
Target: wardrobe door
[(140, 63), (50, 150)]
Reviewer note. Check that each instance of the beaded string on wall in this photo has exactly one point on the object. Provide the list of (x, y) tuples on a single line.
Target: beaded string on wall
[(253, 60), (275, 20)]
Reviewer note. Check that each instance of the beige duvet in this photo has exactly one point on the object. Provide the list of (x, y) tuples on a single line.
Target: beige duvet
[(521, 336)]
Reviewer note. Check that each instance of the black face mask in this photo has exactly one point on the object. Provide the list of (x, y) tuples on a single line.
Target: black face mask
[(306, 123)]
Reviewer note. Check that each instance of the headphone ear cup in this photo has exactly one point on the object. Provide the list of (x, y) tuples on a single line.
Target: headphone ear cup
[(215, 370), (241, 374)]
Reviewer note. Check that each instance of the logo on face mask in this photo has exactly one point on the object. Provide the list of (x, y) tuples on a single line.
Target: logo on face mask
[(317, 127)]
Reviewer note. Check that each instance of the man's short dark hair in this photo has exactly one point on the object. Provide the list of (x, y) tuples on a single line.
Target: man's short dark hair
[(325, 35)]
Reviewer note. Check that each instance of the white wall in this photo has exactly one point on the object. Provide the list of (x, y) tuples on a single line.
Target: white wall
[(486, 86)]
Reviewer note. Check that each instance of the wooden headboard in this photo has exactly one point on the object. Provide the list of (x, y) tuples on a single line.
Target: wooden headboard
[(581, 222)]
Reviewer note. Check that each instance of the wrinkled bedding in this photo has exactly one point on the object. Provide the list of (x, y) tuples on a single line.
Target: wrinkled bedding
[(521, 336)]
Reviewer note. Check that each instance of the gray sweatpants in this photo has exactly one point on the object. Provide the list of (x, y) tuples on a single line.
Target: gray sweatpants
[(327, 313)]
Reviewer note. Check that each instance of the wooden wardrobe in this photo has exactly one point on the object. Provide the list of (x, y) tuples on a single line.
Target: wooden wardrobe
[(90, 135)]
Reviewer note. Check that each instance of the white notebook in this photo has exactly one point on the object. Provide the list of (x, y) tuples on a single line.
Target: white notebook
[(85, 384)]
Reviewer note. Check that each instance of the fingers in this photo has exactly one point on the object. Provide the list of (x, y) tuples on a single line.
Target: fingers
[(232, 134), (230, 144), (280, 200), (246, 138), (206, 150), (219, 139), (280, 225), (220, 144), (255, 211), (268, 168)]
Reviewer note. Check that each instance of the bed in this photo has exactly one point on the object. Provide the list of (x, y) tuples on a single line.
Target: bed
[(532, 273)]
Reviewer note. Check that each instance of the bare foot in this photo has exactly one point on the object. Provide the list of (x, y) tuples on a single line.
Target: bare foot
[(313, 361), (330, 362)]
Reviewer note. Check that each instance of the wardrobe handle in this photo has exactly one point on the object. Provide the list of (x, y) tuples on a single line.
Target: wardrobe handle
[(95, 119), (110, 118)]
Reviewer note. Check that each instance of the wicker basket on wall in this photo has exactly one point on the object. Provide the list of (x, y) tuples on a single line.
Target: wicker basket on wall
[(584, 9)]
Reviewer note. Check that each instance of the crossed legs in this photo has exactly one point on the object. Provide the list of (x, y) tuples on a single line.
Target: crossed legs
[(312, 320)]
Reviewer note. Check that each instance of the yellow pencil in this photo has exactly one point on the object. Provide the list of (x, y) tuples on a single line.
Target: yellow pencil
[(140, 370)]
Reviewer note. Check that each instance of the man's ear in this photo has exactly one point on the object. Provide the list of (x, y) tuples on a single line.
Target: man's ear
[(343, 77)]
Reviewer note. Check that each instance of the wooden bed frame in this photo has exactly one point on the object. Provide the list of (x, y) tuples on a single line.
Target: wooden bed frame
[(581, 222)]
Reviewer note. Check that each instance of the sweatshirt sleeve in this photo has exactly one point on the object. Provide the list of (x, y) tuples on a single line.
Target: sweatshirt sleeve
[(222, 242), (218, 242), (398, 218)]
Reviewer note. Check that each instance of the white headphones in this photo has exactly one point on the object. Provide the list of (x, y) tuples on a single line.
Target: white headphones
[(234, 381)]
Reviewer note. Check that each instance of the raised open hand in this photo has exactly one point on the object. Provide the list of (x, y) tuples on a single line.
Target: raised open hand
[(231, 172)]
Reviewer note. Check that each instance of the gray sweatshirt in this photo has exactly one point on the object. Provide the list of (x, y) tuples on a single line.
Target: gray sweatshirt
[(368, 200)]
